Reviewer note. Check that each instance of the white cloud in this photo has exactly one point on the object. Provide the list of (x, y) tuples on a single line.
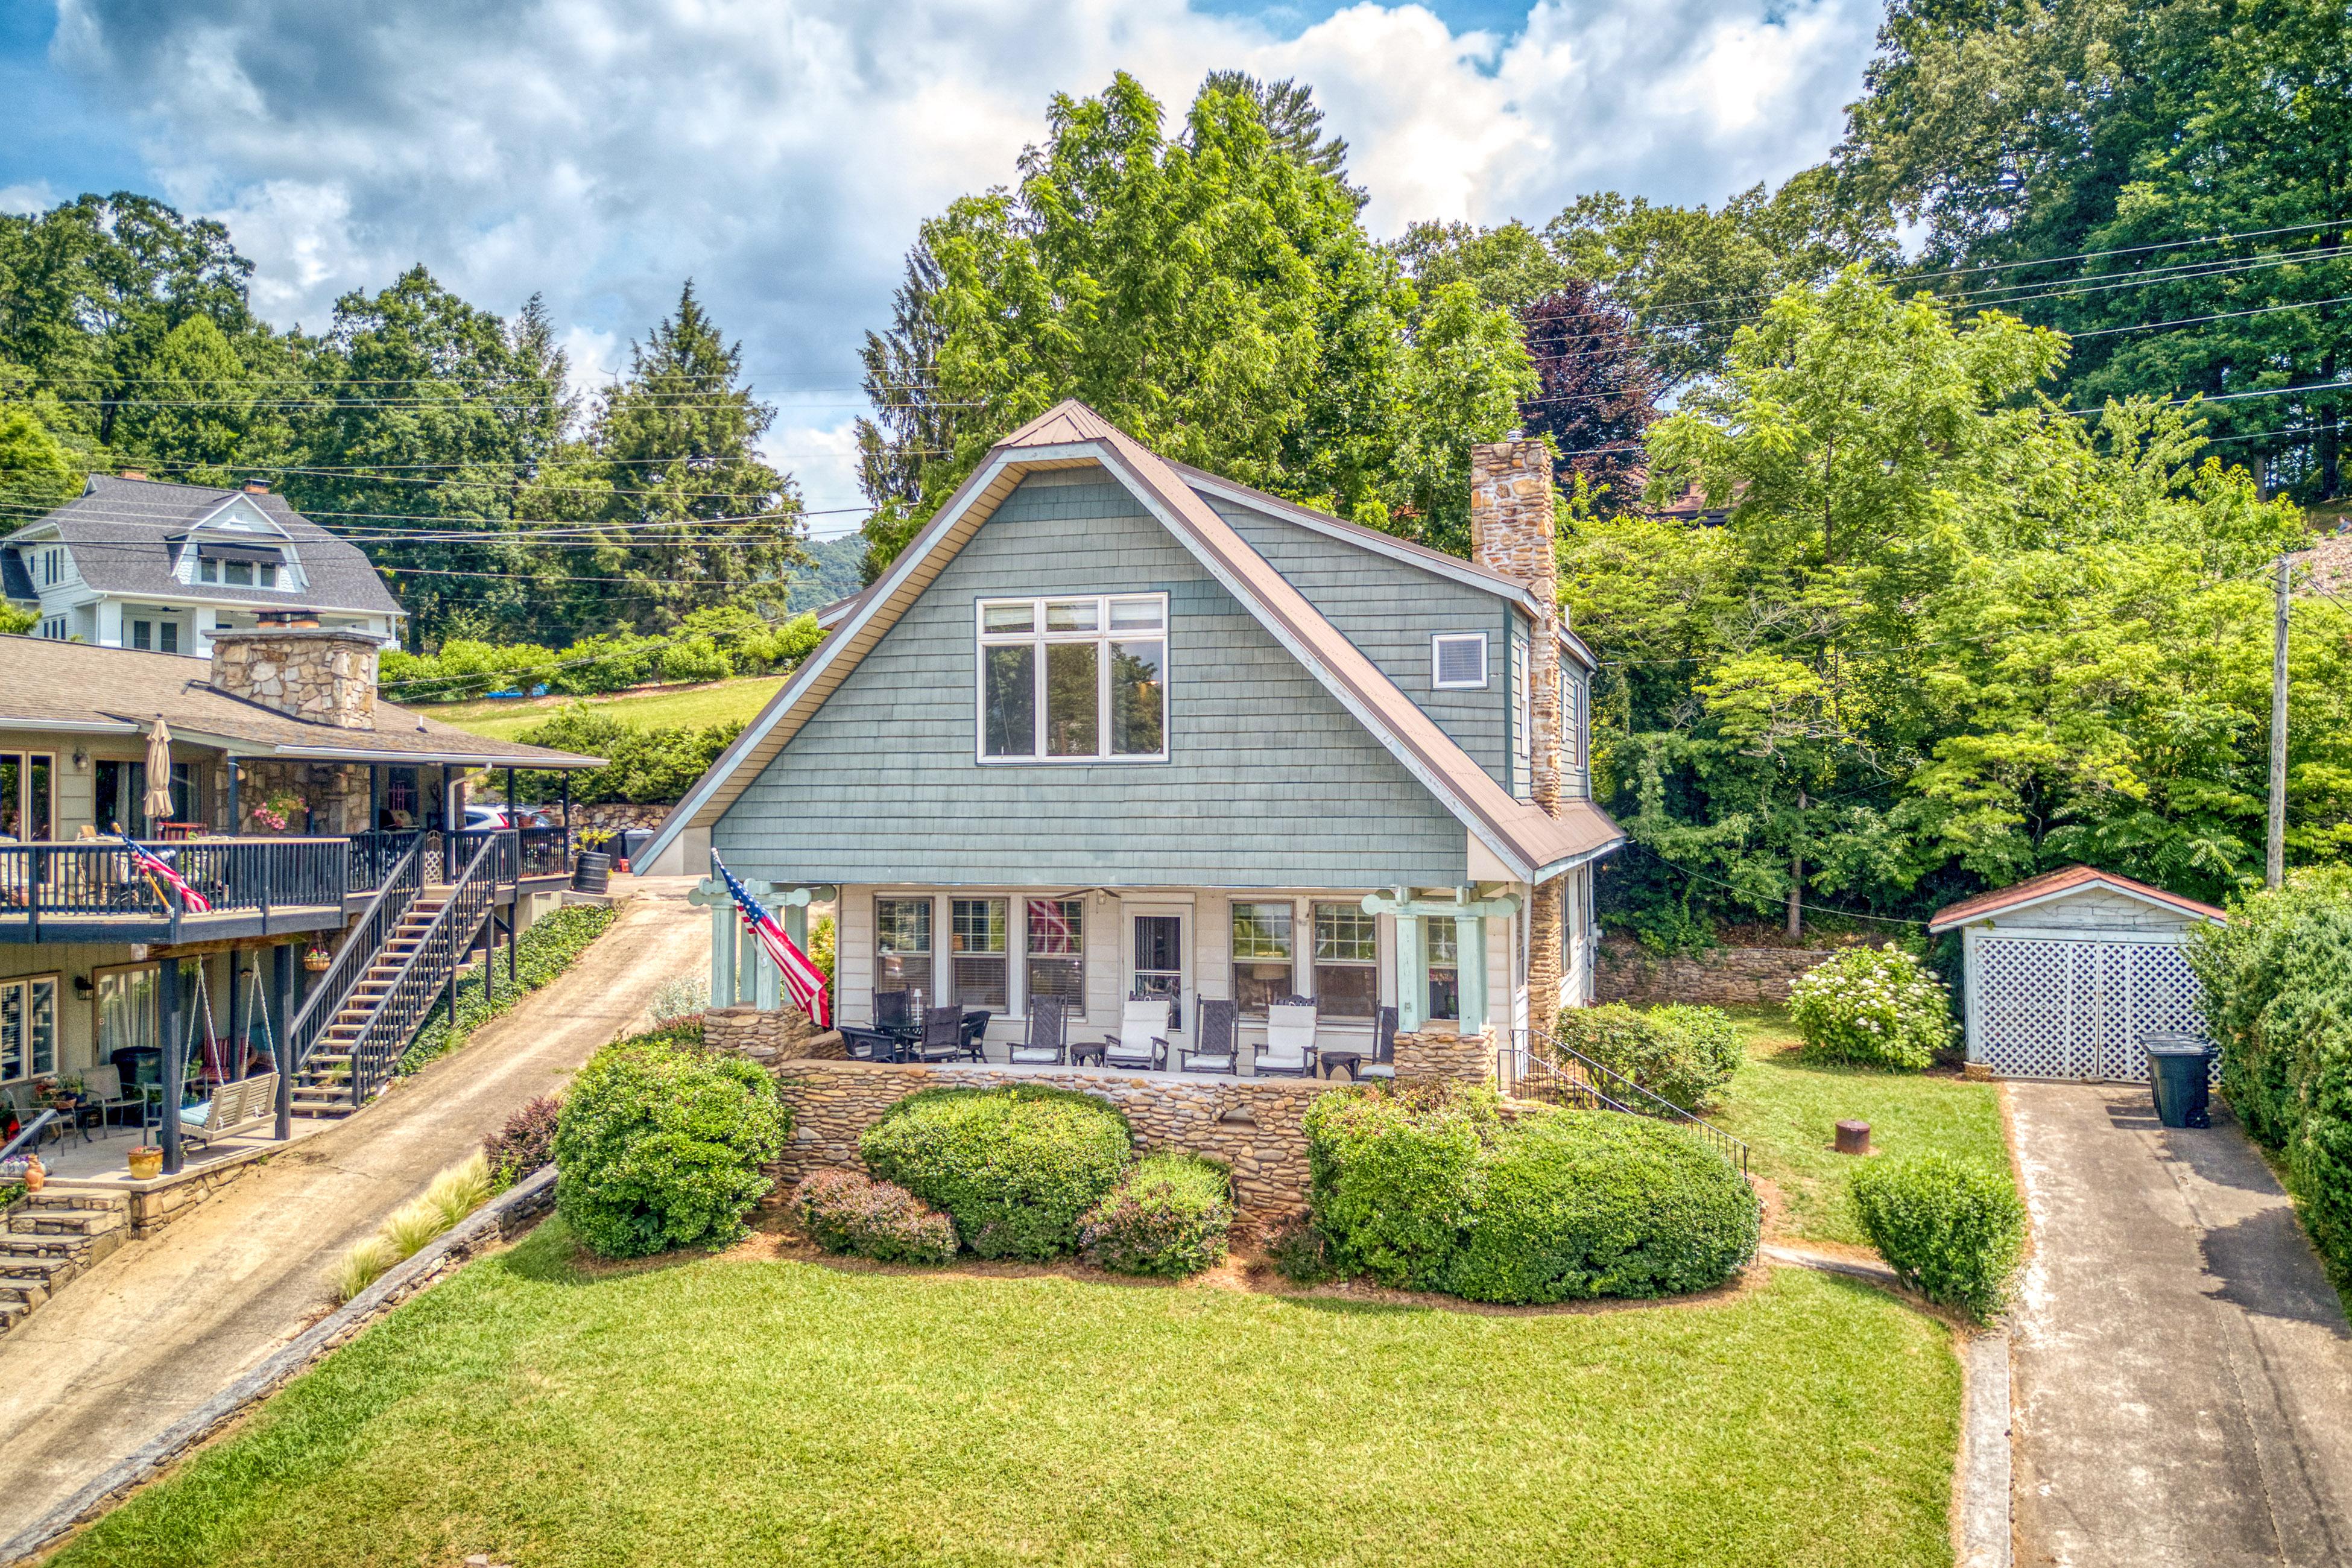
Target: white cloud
[(782, 151), (29, 197)]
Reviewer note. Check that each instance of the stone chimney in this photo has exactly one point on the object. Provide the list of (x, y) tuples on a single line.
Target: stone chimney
[(1511, 533), (256, 487), (326, 677), (135, 473)]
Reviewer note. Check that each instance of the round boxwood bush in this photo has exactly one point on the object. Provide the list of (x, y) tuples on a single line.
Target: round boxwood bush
[(1168, 1218), (1952, 1230), (845, 1211), (1579, 1203), (1394, 1171), (1681, 1054), (1016, 1168), (1871, 1006), (658, 1148)]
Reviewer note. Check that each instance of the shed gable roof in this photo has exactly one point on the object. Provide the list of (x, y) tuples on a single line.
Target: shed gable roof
[(1071, 434), (2060, 884)]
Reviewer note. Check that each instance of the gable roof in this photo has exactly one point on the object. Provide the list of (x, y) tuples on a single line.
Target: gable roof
[(124, 533), (82, 688), (2057, 884), (1070, 434)]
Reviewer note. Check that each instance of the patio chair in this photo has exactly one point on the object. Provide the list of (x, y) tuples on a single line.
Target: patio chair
[(1217, 1048), (105, 1095), (1290, 1047), (942, 1036), (1140, 1043), (21, 1101), (975, 1032), (1381, 1063), (893, 1009), (1048, 1041), (869, 1044)]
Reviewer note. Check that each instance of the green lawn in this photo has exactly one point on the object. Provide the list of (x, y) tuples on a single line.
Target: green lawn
[(1787, 1110), (741, 1410), (714, 703)]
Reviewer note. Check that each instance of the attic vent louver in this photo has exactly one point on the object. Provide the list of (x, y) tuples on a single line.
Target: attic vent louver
[(1457, 660)]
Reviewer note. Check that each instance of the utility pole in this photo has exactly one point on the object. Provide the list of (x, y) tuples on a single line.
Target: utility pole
[(1796, 876), (2274, 871)]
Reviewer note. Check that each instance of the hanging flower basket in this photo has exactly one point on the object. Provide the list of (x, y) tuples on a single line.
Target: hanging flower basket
[(317, 961)]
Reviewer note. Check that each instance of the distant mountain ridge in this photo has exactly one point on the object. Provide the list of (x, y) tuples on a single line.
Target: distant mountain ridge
[(839, 572)]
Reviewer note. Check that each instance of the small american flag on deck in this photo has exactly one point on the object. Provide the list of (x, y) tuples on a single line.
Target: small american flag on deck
[(156, 865), (801, 978)]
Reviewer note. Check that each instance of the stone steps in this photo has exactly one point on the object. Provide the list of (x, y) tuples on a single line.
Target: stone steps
[(51, 1238)]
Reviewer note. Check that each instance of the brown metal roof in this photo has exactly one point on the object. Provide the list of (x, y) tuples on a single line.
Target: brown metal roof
[(80, 687), (2051, 883)]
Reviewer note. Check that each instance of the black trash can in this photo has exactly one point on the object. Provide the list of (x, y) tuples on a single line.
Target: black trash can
[(2179, 1072), (592, 872)]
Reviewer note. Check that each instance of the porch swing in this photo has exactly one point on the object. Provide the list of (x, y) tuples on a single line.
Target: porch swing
[(234, 1104)]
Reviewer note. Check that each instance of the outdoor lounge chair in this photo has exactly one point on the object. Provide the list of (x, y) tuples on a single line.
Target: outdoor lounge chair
[(975, 1031), (1381, 1063), (1140, 1043), (1290, 1047), (1048, 1041), (1216, 1049), (893, 1009), (21, 1101), (103, 1086), (869, 1044), (234, 1108), (942, 1036)]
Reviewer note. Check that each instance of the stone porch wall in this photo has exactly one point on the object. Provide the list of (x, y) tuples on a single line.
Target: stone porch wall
[(1720, 977)]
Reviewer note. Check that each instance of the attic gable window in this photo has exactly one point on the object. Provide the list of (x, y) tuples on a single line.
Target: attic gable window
[(1079, 680), (1457, 662)]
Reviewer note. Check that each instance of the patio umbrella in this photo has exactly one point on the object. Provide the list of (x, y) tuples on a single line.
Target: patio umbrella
[(157, 802)]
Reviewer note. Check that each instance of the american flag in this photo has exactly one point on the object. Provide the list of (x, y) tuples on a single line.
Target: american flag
[(1050, 930), (801, 977), (154, 865)]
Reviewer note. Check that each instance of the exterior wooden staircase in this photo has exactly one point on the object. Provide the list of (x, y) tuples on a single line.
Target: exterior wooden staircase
[(51, 1237), (323, 1087)]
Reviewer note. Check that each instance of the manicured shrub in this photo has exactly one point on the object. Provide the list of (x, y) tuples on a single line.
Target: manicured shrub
[(1681, 1054), (695, 659), (1952, 1230), (2277, 998), (1873, 1007), (1579, 1203), (1300, 1252), (659, 1148), (1168, 1218), (525, 1143), (1016, 1169), (845, 1211), (1394, 1172)]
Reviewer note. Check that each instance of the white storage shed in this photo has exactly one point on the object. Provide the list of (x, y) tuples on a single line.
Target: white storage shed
[(2066, 971)]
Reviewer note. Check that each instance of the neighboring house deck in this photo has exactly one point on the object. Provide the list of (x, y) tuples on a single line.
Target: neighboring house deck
[(1113, 729), (135, 563)]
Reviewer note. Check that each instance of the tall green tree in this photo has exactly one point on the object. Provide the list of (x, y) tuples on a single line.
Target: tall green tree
[(1214, 294)]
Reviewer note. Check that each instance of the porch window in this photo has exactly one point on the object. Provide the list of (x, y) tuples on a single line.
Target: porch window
[(902, 945), (1261, 955), (976, 933), (1081, 680), (1347, 961), (1058, 952), (126, 1009), (28, 1026), (28, 806), (1445, 970)]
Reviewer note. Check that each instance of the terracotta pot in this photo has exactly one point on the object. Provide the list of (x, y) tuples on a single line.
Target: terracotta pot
[(36, 1176), (146, 1165)]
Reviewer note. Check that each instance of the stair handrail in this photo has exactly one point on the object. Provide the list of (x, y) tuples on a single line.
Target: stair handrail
[(409, 997), (29, 1133), (1612, 1092), (362, 943)]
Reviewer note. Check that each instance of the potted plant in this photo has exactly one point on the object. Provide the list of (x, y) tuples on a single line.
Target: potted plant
[(146, 1161), (277, 812), (316, 959)]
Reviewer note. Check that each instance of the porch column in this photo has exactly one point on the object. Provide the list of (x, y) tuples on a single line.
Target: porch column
[(1470, 958), (376, 796), (1411, 973), (167, 1023), (567, 819), (238, 1024), (236, 818), (511, 796), (281, 984)]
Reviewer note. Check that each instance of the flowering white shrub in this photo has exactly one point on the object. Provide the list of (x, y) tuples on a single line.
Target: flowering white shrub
[(1873, 1007)]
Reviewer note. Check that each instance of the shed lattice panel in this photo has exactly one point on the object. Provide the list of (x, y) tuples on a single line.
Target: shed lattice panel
[(2079, 1009)]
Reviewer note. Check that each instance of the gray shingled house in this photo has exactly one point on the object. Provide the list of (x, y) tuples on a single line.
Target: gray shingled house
[(133, 563), (1113, 729)]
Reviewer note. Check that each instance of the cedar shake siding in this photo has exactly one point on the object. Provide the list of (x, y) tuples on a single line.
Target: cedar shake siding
[(1270, 782), (1362, 593)]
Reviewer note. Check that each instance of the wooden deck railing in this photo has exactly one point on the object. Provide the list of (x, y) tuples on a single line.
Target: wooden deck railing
[(95, 880)]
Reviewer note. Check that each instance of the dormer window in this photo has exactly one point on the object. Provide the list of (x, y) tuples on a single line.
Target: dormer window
[(238, 566)]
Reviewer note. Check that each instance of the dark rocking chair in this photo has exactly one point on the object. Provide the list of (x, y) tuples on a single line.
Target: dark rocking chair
[(1048, 1042), (1217, 1048)]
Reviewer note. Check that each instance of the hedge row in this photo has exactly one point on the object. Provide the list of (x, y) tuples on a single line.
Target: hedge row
[(641, 766), (712, 643), (2277, 998), (1681, 1054)]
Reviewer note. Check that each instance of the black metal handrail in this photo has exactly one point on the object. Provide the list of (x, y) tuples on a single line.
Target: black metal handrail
[(29, 1133), (1535, 1065), (375, 1051), (543, 852), (374, 855), (396, 890), (96, 878)]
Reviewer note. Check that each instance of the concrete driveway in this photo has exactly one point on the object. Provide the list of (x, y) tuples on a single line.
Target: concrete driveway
[(2182, 1368), (164, 1324)]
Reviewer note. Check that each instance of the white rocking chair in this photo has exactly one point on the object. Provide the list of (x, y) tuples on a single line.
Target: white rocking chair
[(1289, 1049), (1140, 1043)]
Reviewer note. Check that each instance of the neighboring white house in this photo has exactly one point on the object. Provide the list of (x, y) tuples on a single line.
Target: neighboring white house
[(133, 563), (2067, 973)]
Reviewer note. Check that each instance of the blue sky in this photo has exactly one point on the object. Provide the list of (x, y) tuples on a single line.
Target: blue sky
[(782, 151)]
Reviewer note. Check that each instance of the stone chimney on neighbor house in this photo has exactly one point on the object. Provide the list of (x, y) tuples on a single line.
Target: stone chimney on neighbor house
[(323, 676), (1512, 532)]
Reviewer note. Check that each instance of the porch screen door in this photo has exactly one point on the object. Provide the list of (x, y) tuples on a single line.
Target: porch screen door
[(1159, 962)]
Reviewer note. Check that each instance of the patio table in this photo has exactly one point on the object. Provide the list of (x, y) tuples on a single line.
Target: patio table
[(1084, 1055), (1351, 1060)]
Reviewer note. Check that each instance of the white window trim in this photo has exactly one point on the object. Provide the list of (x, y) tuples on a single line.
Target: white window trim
[(1437, 681), (55, 980), (1103, 634)]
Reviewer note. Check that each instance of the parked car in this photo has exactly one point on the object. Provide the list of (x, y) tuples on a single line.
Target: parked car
[(479, 818)]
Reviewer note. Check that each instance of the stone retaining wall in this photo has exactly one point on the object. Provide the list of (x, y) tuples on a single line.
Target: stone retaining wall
[(1444, 1054), (768, 1037), (608, 816), (1252, 1126), (1719, 977)]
